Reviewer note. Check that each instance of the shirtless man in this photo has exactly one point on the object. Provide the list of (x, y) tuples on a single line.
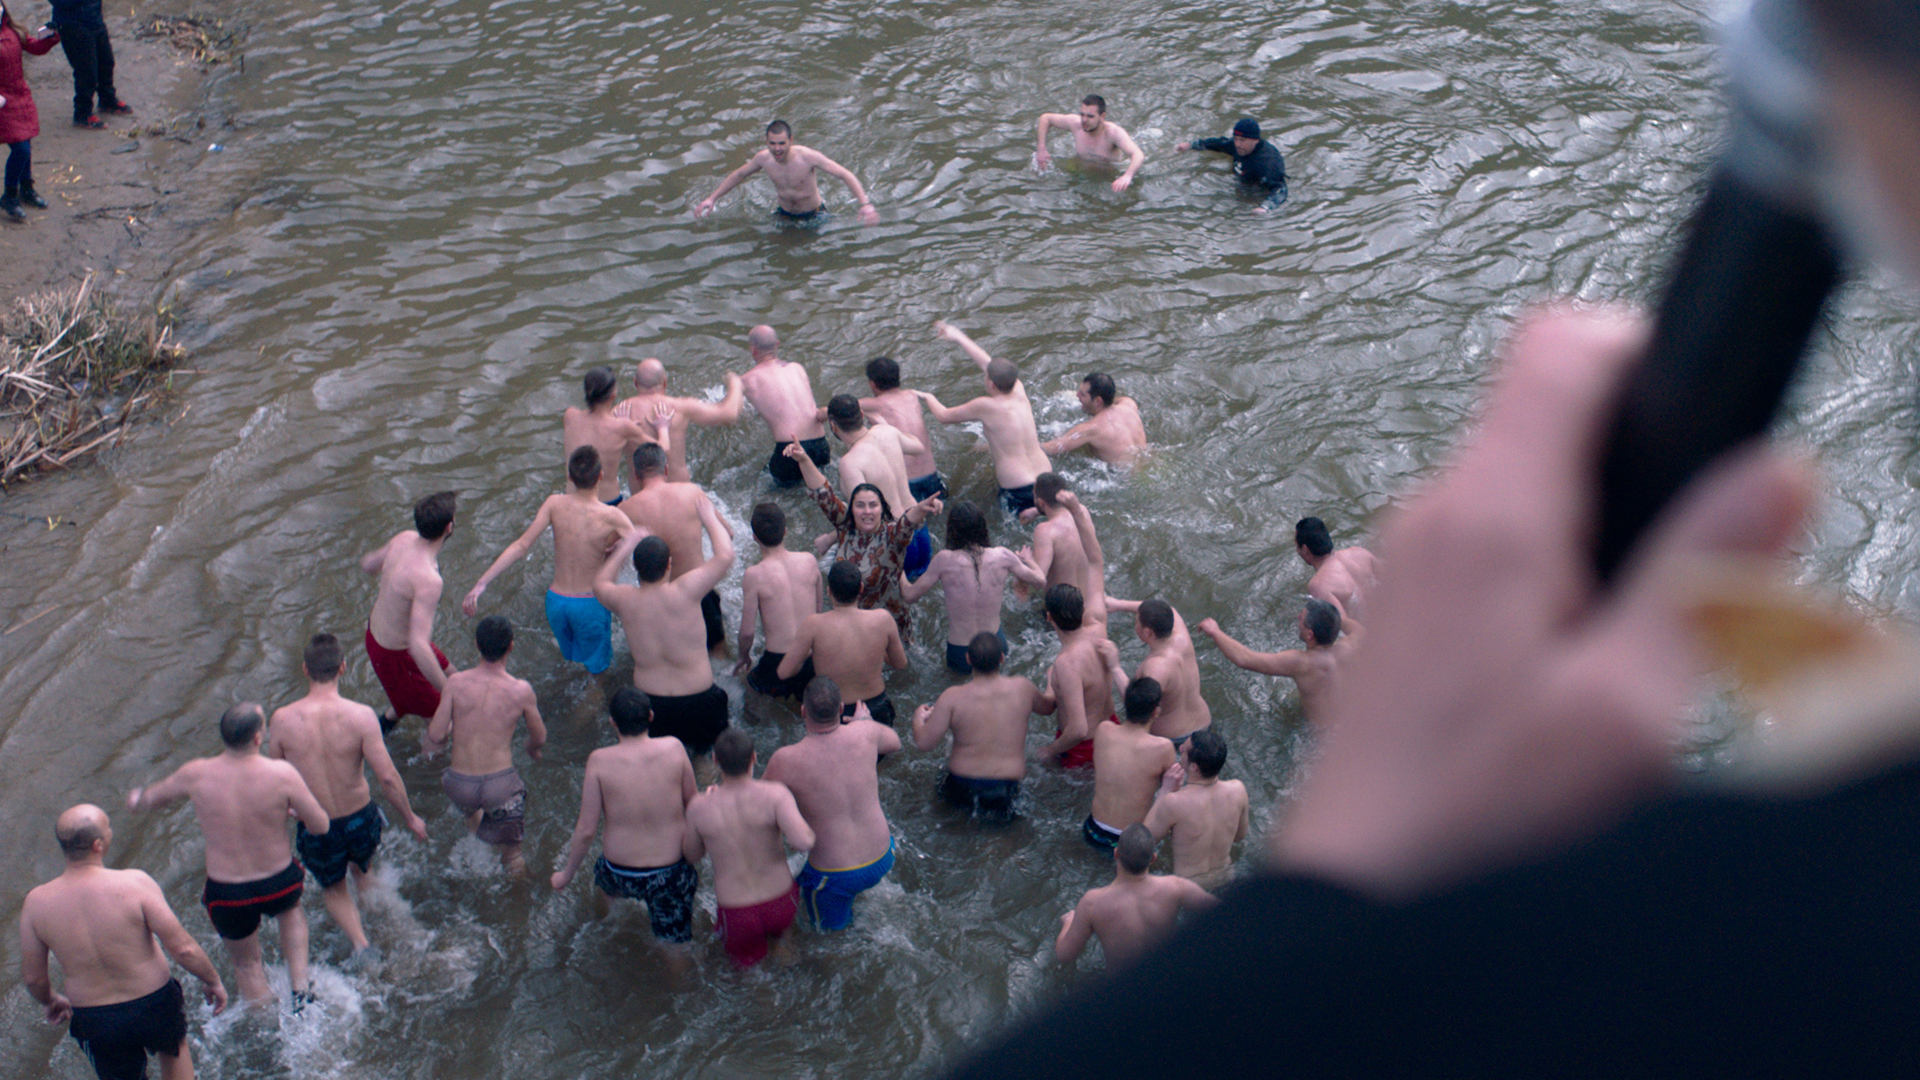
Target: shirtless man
[(778, 591), (783, 396), (1056, 540), (612, 437), (101, 925), (877, 454), (664, 630), (1112, 430), (584, 530), (1341, 577), (973, 575), (849, 644), (1095, 139), (1314, 669), (478, 714), (243, 801), (1171, 661), (901, 409), (1205, 814), (670, 510), (1079, 681), (738, 823), (650, 378), (641, 785), (988, 718), (791, 167), (411, 668), (1129, 761), (833, 772), (332, 741), (1134, 912), (1007, 417)]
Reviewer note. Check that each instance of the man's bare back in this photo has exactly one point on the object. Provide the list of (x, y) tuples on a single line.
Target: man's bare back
[(879, 458), (1128, 764), (584, 530), (1129, 916), (242, 801), (479, 713), (1207, 816), (1057, 548), (738, 823), (833, 775), (850, 646), (1006, 416), (613, 437), (975, 585), (1315, 671), (777, 592), (636, 793), (900, 409), (665, 630), (782, 394), (332, 742), (1115, 434), (988, 716), (410, 585), (1344, 578), (1171, 662), (671, 511), (1080, 682)]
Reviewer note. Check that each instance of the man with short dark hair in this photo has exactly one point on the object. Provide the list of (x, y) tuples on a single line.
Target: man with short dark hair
[(791, 167), (399, 639), (650, 379), (778, 591), (1078, 682), (584, 530), (1315, 669), (242, 801), (739, 823), (1170, 660), (1096, 139), (876, 454), (901, 408), (1112, 430), (833, 772), (1129, 762), (1256, 162), (1205, 814), (1134, 911), (1056, 538), (611, 436), (333, 741), (641, 786), (987, 715), (670, 510), (849, 645), (478, 715), (102, 925), (1006, 417), (1342, 577)]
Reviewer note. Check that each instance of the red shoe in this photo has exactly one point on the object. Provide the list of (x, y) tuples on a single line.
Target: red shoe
[(92, 122), (122, 109)]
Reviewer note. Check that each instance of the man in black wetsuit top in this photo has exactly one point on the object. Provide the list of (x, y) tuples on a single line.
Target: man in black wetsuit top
[(1256, 162)]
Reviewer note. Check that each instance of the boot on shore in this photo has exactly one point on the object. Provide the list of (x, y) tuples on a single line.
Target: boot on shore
[(31, 197), (10, 204)]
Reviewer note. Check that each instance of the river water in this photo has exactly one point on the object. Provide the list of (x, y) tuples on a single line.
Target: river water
[(444, 212)]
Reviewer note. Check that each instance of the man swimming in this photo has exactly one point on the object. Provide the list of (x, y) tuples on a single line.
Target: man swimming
[(849, 644), (1112, 429), (1129, 761), (411, 668), (1257, 163), (650, 379), (1315, 669), (1341, 577), (1095, 138), (478, 715), (783, 396), (777, 592), (988, 718), (670, 510), (1205, 814), (1007, 418), (739, 823), (1132, 913), (584, 530), (791, 167), (612, 437)]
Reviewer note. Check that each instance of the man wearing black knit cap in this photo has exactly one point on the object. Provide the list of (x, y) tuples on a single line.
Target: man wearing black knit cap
[(1256, 162)]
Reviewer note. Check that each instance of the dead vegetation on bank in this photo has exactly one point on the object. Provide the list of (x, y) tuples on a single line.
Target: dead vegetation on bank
[(75, 371), (209, 41)]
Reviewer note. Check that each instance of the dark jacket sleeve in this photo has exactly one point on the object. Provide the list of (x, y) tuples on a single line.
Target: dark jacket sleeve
[(1219, 145)]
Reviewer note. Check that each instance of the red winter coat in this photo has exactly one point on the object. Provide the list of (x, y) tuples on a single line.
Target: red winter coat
[(19, 120)]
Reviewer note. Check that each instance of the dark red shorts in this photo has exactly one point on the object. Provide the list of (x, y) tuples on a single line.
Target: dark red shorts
[(408, 689), (747, 931), (1081, 754)]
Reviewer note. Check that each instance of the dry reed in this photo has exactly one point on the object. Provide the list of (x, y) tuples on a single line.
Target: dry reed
[(208, 41)]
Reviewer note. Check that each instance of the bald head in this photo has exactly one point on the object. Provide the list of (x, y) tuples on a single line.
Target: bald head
[(762, 340), (650, 375), (79, 829)]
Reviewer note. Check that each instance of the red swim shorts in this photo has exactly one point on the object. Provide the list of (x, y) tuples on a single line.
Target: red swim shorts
[(1081, 753), (747, 931), (408, 689)]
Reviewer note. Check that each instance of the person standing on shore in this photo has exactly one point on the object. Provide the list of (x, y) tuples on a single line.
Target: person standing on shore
[(101, 925), (19, 116), (83, 34)]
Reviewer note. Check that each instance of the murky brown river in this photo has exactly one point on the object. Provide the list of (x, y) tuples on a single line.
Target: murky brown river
[(445, 212)]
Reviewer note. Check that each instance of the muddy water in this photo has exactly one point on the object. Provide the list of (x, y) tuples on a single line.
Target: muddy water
[(445, 212)]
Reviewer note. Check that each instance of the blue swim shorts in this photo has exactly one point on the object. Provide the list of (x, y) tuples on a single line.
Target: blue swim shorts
[(827, 895), (583, 628), (919, 554)]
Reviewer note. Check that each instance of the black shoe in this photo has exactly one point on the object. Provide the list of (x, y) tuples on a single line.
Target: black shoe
[(32, 198), (10, 206), (92, 122), (119, 108)]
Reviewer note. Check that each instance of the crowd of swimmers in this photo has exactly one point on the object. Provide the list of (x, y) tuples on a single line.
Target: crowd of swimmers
[(825, 640)]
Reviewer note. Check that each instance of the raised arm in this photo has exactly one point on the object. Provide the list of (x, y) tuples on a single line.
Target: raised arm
[(1290, 663), (165, 925), (922, 510), (373, 748), (725, 411), (734, 179), (868, 215), (605, 580), (810, 473), (514, 553), (707, 575), (949, 332), (583, 829)]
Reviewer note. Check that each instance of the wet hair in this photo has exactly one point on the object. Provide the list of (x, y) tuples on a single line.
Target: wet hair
[(883, 373), (1100, 385), (1887, 31), (886, 512), (1096, 101), (844, 411), (769, 524), (241, 723), (985, 652), (1323, 621), (1135, 849), (583, 467), (1207, 752), (1002, 374), (780, 127), (1157, 616), (843, 581), (733, 752), (1047, 487), (1066, 606), (77, 842), (323, 658), (433, 514), (821, 701), (1141, 698), (493, 637), (1311, 533), (967, 527), (649, 459), (599, 385), (631, 710), (650, 559)]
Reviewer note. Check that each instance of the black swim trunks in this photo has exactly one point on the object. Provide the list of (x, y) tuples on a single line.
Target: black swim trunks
[(236, 908), (815, 216), (988, 798), (926, 487), (666, 890), (960, 663), (117, 1038), (765, 676), (785, 471), (353, 838), (710, 612), (694, 719), (1017, 500), (879, 708)]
